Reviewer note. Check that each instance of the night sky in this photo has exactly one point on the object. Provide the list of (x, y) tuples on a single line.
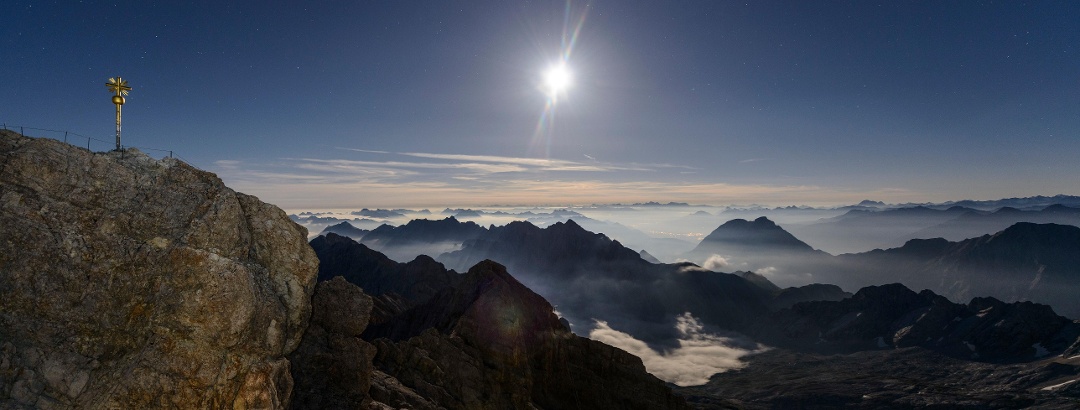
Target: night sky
[(349, 104)]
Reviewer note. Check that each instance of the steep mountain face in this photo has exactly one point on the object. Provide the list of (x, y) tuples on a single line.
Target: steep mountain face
[(345, 229), (415, 281), (483, 340), (130, 282), (974, 223), (559, 249), (495, 344), (1027, 261), (760, 246), (424, 231), (421, 237), (588, 276), (738, 236), (1037, 262)]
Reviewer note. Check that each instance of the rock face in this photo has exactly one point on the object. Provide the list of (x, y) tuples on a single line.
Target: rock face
[(332, 367), (482, 341), (377, 274), (489, 342), (130, 282), (589, 276), (893, 316)]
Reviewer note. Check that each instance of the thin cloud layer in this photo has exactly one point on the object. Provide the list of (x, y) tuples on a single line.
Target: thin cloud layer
[(519, 164), (699, 355), (477, 180)]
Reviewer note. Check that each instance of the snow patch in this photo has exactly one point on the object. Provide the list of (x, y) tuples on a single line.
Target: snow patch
[(1059, 385)]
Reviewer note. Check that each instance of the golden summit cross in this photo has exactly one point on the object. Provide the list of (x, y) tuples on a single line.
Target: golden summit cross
[(119, 88)]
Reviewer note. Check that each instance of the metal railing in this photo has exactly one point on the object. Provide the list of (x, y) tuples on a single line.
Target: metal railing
[(69, 136)]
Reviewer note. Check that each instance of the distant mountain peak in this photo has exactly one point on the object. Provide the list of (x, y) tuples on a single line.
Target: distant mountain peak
[(763, 221), (760, 232)]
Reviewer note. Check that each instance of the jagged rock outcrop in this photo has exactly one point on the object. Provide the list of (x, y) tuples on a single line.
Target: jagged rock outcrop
[(482, 340), (421, 237), (332, 367), (377, 274), (491, 343), (130, 282)]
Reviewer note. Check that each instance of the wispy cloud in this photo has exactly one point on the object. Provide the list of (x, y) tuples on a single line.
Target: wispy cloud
[(749, 160), (406, 179), (698, 356), (522, 164), (343, 165)]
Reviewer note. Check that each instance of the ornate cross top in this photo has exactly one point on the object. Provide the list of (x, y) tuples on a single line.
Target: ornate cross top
[(120, 88)]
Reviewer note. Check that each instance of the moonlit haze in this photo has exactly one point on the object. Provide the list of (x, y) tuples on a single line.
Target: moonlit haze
[(435, 104)]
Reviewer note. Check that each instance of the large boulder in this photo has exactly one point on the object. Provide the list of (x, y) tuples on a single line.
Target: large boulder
[(130, 282), (332, 367)]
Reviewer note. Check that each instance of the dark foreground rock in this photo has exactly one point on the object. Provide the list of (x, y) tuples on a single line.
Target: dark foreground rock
[(481, 341), (130, 282), (490, 342), (332, 367)]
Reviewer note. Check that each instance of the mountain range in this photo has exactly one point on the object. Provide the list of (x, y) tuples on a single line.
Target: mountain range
[(158, 286), (861, 230), (920, 335), (590, 277), (1024, 262)]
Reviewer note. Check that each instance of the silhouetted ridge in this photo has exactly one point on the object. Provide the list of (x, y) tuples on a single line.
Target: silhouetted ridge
[(740, 235), (424, 231), (345, 229), (894, 316), (558, 249), (372, 271), (483, 340)]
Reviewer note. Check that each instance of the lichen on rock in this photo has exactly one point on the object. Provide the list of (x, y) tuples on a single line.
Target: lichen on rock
[(131, 282)]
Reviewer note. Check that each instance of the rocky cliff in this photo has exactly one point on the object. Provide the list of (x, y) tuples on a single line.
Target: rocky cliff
[(130, 282), (483, 340)]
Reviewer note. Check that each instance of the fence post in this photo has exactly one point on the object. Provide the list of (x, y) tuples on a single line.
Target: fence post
[(65, 137), (170, 154), (87, 143), (21, 131)]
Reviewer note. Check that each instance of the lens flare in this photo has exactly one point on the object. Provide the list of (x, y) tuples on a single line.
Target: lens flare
[(557, 79)]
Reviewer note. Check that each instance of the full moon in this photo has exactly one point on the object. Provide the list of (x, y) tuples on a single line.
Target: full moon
[(557, 79)]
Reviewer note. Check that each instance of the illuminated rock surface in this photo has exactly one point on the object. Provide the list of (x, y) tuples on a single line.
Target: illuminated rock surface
[(130, 282)]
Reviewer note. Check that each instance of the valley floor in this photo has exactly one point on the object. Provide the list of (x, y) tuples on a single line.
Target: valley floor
[(900, 378)]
